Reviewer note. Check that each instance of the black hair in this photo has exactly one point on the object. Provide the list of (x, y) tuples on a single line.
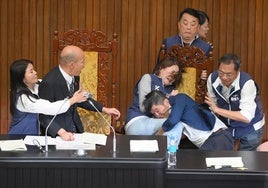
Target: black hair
[(168, 62), (155, 97), (230, 58), (202, 17), (17, 86), (190, 11)]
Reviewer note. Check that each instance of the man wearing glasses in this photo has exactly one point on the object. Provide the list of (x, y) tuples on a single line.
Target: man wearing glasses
[(233, 96)]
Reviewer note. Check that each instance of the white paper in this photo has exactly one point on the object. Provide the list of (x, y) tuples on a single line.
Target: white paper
[(144, 146), (235, 162), (93, 138), (29, 140), (12, 145), (75, 144)]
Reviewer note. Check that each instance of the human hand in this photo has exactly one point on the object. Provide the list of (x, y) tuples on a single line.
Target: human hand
[(174, 92), (160, 132), (112, 111), (67, 136), (79, 96), (204, 75), (211, 103)]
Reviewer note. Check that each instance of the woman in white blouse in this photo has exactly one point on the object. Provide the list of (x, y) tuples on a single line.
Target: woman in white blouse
[(25, 105)]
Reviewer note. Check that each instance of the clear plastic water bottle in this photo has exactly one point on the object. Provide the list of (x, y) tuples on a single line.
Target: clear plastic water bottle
[(172, 153)]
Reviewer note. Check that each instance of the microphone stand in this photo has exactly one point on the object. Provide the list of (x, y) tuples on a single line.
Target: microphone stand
[(46, 139), (114, 138)]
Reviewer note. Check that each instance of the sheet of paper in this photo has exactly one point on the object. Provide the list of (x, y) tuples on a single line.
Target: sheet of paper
[(12, 145), (144, 146), (93, 138), (29, 140), (235, 162), (75, 144)]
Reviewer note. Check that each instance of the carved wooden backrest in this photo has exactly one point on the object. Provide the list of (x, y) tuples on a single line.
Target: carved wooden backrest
[(94, 41), (190, 56)]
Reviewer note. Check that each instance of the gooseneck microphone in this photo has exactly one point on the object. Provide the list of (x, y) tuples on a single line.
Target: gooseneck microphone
[(114, 138), (46, 141)]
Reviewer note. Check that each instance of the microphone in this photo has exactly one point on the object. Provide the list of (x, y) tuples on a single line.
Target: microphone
[(114, 138), (46, 141)]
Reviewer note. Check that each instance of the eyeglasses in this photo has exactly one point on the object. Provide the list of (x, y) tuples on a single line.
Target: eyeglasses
[(222, 74)]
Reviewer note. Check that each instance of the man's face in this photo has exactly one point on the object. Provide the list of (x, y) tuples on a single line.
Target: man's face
[(227, 74), (188, 27), (78, 66), (161, 110)]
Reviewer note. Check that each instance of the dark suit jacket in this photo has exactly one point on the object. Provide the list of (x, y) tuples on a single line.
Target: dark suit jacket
[(53, 88)]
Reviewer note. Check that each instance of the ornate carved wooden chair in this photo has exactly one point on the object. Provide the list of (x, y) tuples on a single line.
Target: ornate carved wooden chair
[(192, 60), (99, 75)]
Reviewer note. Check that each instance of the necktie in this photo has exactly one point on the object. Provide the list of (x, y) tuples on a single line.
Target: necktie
[(71, 87)]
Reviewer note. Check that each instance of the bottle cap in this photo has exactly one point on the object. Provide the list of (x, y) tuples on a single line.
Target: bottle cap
[(172, 148)]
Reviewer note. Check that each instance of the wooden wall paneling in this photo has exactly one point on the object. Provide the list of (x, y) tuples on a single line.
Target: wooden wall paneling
[(238, 26), (258, 41), (68, 9), (110, 18), (61, 17), (138, 40), (40, 30), (47, 35), (123, 63), (103, 16), (89, 16), (74, 13), (96, 14), (146, 52), (25, 28), (131, 64), (230, 29), (214, 32), (81, 14), (243, 30), (4, 65), (160, 22), (153, 45), (17, 28), (223, 28), (117, 27), (251, 37), (264, 64)]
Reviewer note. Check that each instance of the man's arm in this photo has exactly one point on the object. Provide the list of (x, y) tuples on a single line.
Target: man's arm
[(247, 105)]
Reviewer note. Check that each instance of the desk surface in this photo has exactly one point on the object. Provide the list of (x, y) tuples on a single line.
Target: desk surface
[(191, 170), (102, 154), (189, 160), (98, 168)]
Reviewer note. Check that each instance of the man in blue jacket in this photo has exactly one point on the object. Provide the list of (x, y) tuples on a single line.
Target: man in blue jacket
[(234, 97), (201, 127)]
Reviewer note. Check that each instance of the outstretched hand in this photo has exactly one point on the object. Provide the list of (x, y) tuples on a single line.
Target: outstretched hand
[(112, 111), (211, 103)]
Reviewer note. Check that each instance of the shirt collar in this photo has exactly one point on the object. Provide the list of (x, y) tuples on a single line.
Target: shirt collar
[(66, 76)]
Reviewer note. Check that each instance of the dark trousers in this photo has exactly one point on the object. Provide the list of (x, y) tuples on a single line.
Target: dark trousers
[(220, 140)]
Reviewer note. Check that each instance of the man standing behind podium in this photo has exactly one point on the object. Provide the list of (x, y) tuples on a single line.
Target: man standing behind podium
[(57, 85)]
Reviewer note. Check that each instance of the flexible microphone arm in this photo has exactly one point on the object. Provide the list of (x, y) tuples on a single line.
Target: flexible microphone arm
[(114, 138), (46, 141)]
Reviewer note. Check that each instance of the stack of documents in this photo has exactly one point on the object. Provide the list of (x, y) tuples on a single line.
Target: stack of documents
[(12, 145), (86, 141), (219, 162), (144, 146)]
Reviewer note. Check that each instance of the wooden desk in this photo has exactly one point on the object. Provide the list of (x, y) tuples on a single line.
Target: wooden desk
[(191, 171), (99, 168)]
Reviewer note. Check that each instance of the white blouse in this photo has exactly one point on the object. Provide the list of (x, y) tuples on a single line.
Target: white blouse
[(42, 106)]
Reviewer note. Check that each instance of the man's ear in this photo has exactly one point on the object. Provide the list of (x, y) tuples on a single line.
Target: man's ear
[(166, 102)]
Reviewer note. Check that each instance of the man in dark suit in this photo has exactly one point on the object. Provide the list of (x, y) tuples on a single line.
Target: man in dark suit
[(60, 83)]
